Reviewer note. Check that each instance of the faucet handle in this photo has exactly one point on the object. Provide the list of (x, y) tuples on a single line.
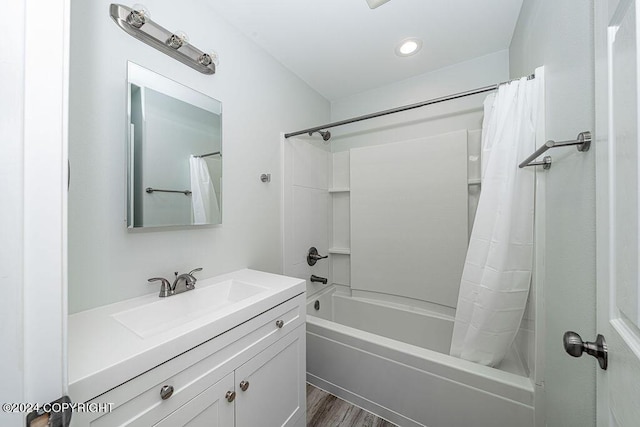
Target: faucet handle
[(191, 280), (165, 287), (194, 270)]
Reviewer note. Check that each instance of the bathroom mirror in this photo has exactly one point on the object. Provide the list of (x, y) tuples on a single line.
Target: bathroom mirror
[(174, 160)]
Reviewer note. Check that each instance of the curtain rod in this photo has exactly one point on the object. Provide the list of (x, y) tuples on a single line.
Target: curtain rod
[(403, 108)]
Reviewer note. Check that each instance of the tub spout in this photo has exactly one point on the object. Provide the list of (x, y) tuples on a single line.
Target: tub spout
[(318, 279)]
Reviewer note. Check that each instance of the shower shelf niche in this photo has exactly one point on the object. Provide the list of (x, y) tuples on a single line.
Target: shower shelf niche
[(340, 227), (339, 190), (340, 251)]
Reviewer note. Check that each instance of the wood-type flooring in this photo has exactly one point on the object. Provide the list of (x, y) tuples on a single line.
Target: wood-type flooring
[(327, 410)]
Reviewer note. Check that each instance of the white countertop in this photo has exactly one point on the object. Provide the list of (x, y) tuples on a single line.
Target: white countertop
[(103, 353)]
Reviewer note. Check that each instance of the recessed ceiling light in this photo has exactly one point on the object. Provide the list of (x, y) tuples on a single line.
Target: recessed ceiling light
[(408, 47)]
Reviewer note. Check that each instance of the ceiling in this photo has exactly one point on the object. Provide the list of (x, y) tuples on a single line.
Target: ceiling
[(342, 47)]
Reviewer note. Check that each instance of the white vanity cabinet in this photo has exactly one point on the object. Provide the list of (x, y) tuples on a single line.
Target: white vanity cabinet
[(251, 375), (271, 387)]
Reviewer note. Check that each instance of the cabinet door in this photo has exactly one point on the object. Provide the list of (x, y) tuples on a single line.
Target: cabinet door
[(210, 408), (275, 384)]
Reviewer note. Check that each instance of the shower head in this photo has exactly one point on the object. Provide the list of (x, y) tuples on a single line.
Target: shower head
[(326, 135)]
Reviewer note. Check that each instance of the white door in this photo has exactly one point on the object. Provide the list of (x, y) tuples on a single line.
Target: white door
[(33, 185), (618, 213)]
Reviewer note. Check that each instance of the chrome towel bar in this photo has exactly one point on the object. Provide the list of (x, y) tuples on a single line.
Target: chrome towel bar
[(582, 141), (151, 190)]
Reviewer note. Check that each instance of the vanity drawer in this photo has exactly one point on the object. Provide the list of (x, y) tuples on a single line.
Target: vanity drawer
[(138, 401)]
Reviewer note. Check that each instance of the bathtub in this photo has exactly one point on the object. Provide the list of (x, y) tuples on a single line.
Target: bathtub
[(393, 360)]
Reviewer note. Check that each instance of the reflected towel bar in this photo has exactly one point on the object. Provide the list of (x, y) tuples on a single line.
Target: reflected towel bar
[(210, 154), (582, 141), (151, 190)]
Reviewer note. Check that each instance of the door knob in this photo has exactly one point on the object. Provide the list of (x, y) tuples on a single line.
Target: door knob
[(244, 385), (574, 345), (230, 396)]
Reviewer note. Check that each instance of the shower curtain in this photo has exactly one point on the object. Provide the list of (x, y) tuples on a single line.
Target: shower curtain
[(497, 271), (203, 196)]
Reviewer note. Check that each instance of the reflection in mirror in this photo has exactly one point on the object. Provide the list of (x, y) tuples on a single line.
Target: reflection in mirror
[(174, 153)]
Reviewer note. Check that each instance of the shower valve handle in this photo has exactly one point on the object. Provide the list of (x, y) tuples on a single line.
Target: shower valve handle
[(313, 256)]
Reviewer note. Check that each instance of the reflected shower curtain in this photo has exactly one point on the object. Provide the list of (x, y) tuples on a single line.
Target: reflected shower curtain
[(203, 195), (497, 271)]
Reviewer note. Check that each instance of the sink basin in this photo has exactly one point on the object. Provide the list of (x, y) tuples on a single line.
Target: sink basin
[(174, 311)]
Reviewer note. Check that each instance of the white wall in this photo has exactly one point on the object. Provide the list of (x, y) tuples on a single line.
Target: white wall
[(465, 113), (11, 222), (546, 34), (260, 99)]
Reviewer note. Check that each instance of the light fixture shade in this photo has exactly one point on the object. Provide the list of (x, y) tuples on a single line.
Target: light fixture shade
[(375, 3)]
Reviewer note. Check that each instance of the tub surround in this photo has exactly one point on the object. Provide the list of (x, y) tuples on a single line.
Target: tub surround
[(104, 353), (408, 227), (375, 362)]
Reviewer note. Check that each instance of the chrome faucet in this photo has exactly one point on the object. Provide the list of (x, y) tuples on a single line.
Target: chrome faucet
[(189, 281), (167, 289)]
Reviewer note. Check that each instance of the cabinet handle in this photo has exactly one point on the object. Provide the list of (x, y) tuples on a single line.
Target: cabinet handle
[(230, 396), (244, 385), (166, 392), (279, 323)]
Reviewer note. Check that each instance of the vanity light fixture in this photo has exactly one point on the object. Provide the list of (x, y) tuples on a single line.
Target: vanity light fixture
[(137, 22), (177, 39), (408, 47), (209, 58), (138, 15)]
